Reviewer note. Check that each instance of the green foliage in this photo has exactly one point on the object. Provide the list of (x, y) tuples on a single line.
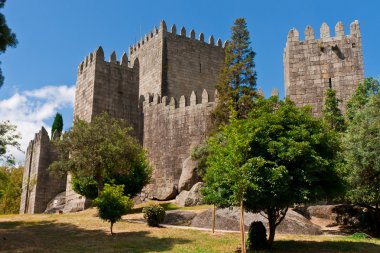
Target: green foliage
[(57, 125), (103, 150), (257, 236), (7, 38), (236, 86), (363, 93), (112, 204), (10, 189), (154, 214), (279, 156), (331, 112), (362, 154), (8, 137), (360, 236), (199, 154)]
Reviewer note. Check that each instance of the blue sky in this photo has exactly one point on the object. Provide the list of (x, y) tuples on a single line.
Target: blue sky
[(55, 36)]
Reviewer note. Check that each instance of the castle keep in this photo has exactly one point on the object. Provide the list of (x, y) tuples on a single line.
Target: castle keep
[(314, 65), (165, 88)]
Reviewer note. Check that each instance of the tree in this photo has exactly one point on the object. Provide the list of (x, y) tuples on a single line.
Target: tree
[(57, 125), (8, 137), (10, 189), (280, 155), (331, 112), (362, 157), (112, 204), (7, 38), (101, 149), (237, 82), (362, 95)]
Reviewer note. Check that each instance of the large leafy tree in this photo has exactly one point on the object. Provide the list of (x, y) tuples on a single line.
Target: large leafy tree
[(237, 82), (362, 157), (57, 126), (10, 189), (280, 155), (7, 38), (362, 95), (102, 149), (332, 115), (8, 138)]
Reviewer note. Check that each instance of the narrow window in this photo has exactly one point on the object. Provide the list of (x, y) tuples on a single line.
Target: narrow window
[(330, 83), (200, 68)]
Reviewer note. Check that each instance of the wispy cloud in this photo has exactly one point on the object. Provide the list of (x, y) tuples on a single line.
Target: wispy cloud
[(29, 110)]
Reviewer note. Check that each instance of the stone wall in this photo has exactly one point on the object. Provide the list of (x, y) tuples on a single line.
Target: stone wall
[(313, 65), (39, 185), (190, 64), (171, 130)]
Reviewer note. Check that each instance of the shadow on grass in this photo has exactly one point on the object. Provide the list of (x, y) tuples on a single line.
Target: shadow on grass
[(325, 246), (48, 236)]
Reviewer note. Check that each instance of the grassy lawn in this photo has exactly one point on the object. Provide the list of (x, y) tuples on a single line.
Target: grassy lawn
[(84, 232)]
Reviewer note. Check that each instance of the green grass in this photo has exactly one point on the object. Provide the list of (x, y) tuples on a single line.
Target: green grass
[(84, 232)]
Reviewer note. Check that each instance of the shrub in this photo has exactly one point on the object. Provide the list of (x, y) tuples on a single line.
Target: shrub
[(257, 236), (112, 204), (154, 214)]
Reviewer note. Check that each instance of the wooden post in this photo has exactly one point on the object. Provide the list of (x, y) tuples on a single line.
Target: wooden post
[(213, 219), (242, 226)]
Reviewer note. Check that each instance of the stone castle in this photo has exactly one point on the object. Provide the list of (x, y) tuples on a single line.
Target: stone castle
[(165, 88)]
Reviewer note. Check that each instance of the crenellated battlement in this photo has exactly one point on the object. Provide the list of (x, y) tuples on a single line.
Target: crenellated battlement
[(162, 30), (98, 56), (324, 33), (194, 99)]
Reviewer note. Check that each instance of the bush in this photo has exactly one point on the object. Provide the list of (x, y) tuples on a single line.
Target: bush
[(112, 204), (257, 236), (154, 214)]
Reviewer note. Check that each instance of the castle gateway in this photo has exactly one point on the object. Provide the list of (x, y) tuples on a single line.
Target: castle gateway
[(165, 88)]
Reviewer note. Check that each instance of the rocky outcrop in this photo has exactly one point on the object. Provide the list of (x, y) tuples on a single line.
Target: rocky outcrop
[(57, 204), (228, 219), (189, 175), (179, 217), (190, 198)]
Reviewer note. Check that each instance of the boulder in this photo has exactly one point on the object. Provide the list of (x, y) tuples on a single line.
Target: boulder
[(164, 192), (190, 198), (57, 204), (179, 217), (189, 175), (228, 219)]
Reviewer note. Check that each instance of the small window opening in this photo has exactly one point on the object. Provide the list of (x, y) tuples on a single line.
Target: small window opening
[(353, 45), (330, 83), (200, 68)]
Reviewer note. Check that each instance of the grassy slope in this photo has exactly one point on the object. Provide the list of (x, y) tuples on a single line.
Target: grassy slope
[(83, 232)]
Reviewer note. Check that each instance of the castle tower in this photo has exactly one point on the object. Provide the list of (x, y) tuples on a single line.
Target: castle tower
[(39, 186), (314, 65)]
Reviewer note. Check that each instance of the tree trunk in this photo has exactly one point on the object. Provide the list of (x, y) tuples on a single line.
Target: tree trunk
[(242, 233), (272, 227), (377, 220), (111, 228), (213, 219)]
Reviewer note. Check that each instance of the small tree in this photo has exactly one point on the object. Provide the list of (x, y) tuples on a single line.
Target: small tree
[(332, 115), (57, 126), (10, 189), (237, 82), (277, 157), (112, 204), (8, 138), (362, 157), (101, 150)]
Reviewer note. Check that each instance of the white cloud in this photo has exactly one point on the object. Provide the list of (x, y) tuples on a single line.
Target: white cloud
[(29, 110)]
